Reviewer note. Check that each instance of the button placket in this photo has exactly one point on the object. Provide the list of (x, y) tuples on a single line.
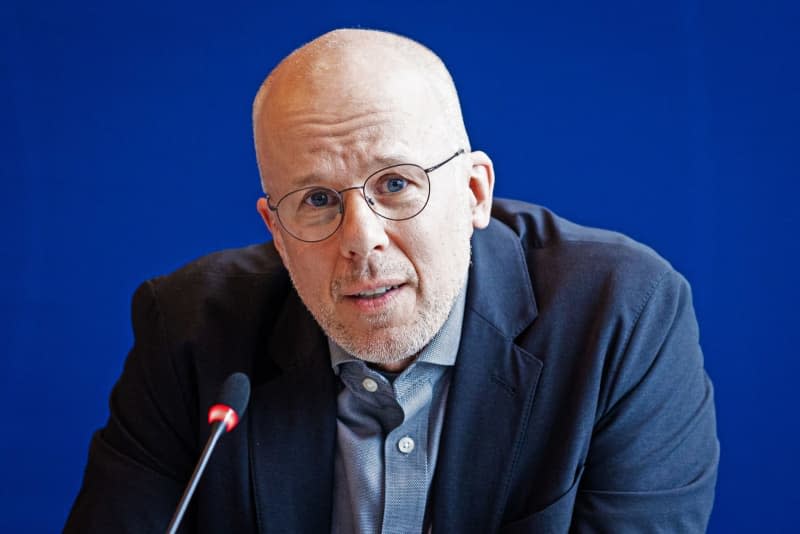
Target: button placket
[(406, 460)]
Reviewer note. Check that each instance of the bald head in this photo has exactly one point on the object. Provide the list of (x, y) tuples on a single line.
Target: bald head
[(370, 71)]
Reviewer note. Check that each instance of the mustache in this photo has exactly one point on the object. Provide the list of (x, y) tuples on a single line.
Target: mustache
[(374, 270)]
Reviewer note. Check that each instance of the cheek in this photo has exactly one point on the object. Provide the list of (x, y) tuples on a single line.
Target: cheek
[(437, 244), (309, 272)]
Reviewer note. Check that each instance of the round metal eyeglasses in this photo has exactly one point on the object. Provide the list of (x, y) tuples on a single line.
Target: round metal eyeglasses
[(397, 192)]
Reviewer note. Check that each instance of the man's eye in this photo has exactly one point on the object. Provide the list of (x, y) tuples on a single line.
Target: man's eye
[(394, 184), (319, 199)]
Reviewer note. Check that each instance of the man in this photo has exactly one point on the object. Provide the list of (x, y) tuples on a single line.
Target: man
[(409, 374)]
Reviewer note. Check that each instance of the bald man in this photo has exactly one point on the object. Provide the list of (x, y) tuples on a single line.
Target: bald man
[(423, 358)]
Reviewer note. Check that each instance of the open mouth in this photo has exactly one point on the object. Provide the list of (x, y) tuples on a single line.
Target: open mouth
[(375, 293)]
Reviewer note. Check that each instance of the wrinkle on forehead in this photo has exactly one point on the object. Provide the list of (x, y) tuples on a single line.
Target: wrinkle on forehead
[(333, 123), (338, 158), (350, 136), (347, 95)]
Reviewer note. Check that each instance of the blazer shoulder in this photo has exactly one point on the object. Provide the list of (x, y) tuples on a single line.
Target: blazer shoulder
[(227, 295), (553, 242), (256, 266), (253, 260), (576, 269)]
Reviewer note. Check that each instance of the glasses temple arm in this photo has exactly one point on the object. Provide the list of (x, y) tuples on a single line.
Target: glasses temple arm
[(458, 153)]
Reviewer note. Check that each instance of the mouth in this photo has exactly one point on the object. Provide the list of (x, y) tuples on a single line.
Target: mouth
[(375, 292)]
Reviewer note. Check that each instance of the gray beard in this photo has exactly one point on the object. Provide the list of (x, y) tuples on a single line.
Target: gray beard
[(400, 345)]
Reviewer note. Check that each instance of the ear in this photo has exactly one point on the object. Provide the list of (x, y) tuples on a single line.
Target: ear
[(481, 184), (271, 220)]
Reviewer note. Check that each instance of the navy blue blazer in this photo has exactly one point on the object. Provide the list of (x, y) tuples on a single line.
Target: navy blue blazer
[(578, 403)]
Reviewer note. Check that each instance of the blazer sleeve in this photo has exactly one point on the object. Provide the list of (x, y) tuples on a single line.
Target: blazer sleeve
[(652, 462), (139, 462)]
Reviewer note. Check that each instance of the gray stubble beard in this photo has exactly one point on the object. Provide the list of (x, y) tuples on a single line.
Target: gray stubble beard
[(400, 345)]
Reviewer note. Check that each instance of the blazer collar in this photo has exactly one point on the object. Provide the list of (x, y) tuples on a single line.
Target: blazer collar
[(492, 389), (500, 288)]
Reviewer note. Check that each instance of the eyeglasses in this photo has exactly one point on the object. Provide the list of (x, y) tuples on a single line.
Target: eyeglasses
[(397, 192)]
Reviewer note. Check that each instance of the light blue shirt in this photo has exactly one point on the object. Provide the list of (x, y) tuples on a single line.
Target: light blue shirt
[(387, 435)]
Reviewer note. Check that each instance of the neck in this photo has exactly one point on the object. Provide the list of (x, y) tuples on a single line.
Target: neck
[(393, 367)]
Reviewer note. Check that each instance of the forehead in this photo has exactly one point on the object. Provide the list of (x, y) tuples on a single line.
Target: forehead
[(315, 133), (338, 174)]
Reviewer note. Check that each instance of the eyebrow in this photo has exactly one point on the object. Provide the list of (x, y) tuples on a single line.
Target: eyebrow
[(379, 163)]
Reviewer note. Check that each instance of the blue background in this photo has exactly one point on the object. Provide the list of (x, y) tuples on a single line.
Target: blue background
[(126, 152)]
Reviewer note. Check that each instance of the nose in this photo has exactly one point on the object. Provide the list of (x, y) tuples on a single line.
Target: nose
[(362, 230)]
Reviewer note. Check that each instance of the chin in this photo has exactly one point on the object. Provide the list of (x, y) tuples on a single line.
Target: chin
[(383, 349)]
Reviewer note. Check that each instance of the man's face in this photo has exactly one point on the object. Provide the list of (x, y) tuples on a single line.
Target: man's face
[(381, 289)]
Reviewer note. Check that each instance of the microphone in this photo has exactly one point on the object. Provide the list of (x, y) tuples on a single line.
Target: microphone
[(223, 417)]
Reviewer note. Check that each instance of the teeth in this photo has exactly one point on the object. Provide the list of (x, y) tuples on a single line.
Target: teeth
[(377, 291)]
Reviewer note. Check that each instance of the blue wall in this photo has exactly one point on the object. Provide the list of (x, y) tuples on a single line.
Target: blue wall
[(125, 151)]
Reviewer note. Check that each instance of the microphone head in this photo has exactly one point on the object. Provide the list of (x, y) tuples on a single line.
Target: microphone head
[(232, 401), (235, 392)]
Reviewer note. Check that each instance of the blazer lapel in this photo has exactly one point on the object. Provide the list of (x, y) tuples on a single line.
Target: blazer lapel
[(293, 428), (491, 392)]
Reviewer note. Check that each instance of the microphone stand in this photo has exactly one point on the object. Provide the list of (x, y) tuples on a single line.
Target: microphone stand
[(217, 429)]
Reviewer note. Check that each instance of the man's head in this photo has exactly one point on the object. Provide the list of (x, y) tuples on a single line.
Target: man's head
[(331, 114)]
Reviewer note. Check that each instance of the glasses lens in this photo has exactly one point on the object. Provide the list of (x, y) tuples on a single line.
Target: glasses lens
[(311, 214), (399, 192)]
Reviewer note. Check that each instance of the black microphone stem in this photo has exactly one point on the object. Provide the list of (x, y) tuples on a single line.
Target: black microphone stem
[(217, 429)]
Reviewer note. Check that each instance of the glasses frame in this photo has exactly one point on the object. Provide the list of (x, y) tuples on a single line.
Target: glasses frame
[(370, 202)]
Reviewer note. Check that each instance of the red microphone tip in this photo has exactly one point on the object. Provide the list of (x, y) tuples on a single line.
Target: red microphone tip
[(226, 414)]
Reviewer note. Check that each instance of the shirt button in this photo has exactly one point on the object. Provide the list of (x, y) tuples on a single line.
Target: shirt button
[(370, 385), (405, 445)]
